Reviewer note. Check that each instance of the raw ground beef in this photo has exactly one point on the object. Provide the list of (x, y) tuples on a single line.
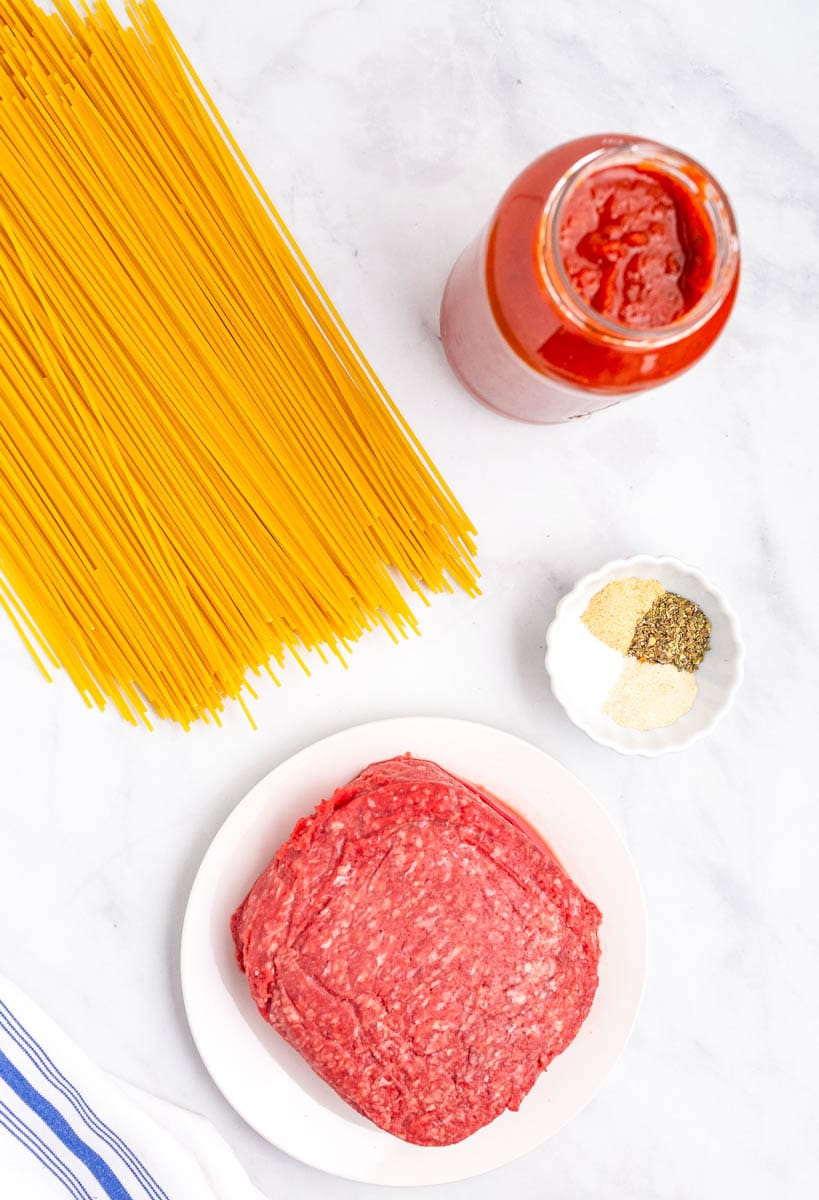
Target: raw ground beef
[(426, 955)]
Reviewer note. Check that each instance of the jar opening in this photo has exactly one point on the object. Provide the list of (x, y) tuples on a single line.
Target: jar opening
[(712, 205)]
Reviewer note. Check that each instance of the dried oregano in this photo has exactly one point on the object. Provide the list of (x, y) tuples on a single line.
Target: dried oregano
[(675, 631)]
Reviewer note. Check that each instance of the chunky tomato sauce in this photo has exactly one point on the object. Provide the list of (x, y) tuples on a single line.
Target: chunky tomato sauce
[(636, 246)]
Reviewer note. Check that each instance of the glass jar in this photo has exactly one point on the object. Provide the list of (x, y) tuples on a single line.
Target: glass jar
[(519, 333)]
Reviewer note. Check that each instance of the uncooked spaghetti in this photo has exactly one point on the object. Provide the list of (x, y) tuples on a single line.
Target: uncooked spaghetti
[(199, 471)]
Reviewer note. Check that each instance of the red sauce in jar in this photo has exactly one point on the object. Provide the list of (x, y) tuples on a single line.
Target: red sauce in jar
[(610, 266), (635, 246)]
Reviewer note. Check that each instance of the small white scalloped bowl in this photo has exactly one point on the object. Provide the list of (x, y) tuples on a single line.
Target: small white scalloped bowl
[(582, 669)]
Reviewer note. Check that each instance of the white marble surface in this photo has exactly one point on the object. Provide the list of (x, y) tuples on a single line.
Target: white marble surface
[(387, 132)]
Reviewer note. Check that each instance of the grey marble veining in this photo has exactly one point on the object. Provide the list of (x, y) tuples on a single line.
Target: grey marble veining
[(386, 133)]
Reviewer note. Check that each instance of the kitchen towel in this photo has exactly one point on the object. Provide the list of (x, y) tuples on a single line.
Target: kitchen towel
[(68, 1128)]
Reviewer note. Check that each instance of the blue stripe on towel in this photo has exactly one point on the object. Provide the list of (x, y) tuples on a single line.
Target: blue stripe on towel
[(62, 1130), (34, 1051), (36, 1146)]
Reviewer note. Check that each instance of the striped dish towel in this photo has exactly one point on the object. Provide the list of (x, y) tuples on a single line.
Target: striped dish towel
[(69, 1129)]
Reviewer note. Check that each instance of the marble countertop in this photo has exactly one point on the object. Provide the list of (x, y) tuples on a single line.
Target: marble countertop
[(387, 133)]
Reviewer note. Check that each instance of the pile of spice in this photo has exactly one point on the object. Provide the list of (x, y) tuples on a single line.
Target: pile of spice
[(674, 630), (664, 638), (614, 611)]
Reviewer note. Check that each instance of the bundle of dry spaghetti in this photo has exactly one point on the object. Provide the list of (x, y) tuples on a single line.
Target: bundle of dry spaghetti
[(199, 471)]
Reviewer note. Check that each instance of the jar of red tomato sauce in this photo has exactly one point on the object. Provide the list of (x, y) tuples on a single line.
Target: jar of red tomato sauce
[(610, 266)]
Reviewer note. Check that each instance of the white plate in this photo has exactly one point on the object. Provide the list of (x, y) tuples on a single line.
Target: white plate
[(583, 670), (271, 1086)]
